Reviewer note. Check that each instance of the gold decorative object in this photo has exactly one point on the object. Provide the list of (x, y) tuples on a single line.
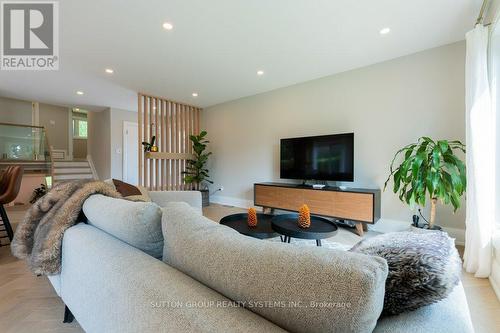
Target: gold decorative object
[(154, 149), (304, 217), (252, 217)]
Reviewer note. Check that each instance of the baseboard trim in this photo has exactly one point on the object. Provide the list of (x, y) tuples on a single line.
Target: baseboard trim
[(495, 278), (230, 201), (495, 286), (384, 225), (458, 234)]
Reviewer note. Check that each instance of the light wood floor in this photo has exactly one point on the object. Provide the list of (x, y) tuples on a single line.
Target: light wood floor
[(29, 304)]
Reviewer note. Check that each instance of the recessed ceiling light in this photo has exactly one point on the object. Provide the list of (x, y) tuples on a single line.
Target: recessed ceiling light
[(260, 72), (109, 71), (79, 92), (385, 31), (195, 94), (168, 26)]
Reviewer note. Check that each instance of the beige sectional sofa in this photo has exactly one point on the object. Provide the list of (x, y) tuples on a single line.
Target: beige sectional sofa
[(213, 279)]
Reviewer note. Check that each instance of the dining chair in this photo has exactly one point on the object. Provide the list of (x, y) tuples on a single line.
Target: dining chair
[(10, 183)]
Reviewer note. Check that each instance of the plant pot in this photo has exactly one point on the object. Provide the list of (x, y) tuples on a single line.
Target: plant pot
[(205, 198), (434, 227), (417, 224), (425, 226)]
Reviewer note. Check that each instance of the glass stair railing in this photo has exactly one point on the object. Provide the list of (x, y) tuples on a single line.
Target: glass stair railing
[(24, 145)]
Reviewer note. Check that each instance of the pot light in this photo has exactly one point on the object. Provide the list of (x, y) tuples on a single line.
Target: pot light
[(79, 92), (260, 72), (109, 70), (385, 31), (194, 94), (167, 26)]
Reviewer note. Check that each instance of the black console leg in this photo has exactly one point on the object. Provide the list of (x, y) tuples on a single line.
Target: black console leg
[(318, 242), (68, 316)]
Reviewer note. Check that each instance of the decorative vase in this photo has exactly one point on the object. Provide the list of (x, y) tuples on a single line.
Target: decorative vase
[(252, 217), (154, 149), (304, 220)]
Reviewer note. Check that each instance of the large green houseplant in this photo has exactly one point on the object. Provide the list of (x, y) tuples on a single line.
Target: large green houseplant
[(429, 170), (196, 173)]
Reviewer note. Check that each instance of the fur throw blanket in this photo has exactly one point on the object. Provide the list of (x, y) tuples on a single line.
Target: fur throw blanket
[(38, 238), (424, 267)]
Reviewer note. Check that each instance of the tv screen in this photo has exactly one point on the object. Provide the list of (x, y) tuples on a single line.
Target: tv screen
[(325, 157)]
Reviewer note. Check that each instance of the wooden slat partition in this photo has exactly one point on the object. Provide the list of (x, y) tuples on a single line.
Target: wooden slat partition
[(172, 123)]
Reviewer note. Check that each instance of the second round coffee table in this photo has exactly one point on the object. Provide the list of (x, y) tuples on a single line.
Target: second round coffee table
[(320, 228)]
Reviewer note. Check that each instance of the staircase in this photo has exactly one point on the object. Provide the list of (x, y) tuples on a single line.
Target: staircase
[(64, 170)]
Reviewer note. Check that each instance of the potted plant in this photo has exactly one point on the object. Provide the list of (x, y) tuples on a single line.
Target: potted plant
[(38, 193), (429, 169), (196, 173)]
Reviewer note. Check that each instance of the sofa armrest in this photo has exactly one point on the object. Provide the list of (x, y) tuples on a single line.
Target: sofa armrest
[(162, 198), (448, 315)]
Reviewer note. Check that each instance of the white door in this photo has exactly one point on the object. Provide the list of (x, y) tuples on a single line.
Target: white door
[(130, 152)]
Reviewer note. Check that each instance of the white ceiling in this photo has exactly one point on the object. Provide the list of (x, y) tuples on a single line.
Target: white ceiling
[(217, 46)]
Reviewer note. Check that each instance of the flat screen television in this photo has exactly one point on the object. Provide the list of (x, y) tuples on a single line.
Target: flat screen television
[(325, 157)]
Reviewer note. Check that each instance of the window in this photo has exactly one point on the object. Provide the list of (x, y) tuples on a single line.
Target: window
[(79, 128)]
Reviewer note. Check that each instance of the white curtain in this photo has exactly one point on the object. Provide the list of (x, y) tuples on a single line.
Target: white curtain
[(480, 140)]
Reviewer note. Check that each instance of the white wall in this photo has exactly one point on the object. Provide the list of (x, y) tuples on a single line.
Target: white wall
[(105, 141), (55, 120), (117, 118), (386, 105), (14, 111), (98, 139)]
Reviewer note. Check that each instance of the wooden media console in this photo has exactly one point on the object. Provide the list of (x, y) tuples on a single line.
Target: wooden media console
[(361, 206)]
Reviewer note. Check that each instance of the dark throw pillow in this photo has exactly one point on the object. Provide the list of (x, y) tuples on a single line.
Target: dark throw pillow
[(424, 267), (131, 192), (126, 189)]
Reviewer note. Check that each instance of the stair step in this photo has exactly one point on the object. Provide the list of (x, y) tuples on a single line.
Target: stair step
[(58, 171), (73, 176), (70, 164)]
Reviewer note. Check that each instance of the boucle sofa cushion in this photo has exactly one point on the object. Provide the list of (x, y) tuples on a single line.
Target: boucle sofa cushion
[(301, 289), (135, 223), (424, 267)]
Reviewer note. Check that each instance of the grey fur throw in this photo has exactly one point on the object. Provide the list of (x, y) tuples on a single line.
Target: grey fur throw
[(38, 238), (424, 267)]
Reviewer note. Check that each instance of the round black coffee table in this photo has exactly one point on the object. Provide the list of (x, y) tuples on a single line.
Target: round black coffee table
[(239, 223), (320, 228)]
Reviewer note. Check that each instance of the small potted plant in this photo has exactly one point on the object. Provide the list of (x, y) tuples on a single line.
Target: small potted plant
[(429, 169), (196, 173), (38, 193)]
